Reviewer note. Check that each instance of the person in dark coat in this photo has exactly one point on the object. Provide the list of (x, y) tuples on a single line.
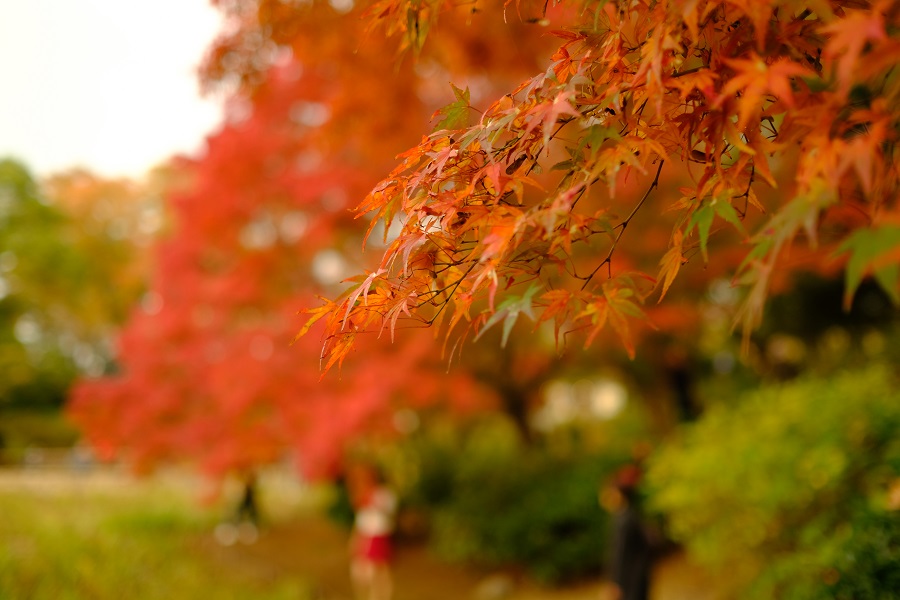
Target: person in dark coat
[(632, 547), (248, 507)]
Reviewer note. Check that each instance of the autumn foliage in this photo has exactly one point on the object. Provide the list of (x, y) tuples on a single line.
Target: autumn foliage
[(746, 139), (591, 166), (208, 371)]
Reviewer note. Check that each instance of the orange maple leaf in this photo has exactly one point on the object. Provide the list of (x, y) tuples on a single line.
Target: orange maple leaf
[(547, 113), (863, 153), (754, 78), (759, 12), (671, 263), (751, 80), (847, 39)]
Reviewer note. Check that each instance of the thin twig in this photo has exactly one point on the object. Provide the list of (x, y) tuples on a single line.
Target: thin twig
[(624, 225)]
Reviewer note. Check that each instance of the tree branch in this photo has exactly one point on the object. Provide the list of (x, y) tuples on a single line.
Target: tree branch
[(623, 225)]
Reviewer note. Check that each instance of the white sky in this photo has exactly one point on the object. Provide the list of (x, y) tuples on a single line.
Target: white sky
[(106, 84)]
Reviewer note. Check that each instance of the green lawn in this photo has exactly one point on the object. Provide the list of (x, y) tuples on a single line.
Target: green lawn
[(64, 537)]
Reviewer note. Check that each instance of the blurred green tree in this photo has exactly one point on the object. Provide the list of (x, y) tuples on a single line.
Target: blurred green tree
[(33, 259), (792, 489), (66, 278)]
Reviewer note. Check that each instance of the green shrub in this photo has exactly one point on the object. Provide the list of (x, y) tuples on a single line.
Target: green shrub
[(496, 502), (20, 429), (539, 512), (784, 487), (869, 566)]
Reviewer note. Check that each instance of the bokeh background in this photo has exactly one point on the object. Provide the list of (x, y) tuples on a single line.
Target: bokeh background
[(178, 186)]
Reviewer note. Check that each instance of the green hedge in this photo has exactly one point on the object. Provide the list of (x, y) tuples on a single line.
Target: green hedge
[(787, 488), (495, 502)]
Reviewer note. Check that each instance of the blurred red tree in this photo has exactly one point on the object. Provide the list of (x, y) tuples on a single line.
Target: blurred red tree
[(260, 226)]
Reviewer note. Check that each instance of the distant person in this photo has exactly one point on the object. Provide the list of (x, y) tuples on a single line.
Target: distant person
[(242, 524), (631, 544), (370, 544), (248, 508)]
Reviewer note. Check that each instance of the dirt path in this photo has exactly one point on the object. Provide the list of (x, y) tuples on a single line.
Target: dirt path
[(316, 549)]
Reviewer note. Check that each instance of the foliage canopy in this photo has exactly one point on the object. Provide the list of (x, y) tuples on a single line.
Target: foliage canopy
[(627, 149), (754, 137), (208, 371)]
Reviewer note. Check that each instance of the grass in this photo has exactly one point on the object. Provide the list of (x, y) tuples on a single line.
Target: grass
[(69, 541)]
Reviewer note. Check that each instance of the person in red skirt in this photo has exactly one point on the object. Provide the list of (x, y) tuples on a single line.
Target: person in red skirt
[(370, 544)]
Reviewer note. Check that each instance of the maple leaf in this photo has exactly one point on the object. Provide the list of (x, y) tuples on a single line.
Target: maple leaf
[(400, 307), (754, 78), (403, 247), (801, 213), (324, 310), (759, 12), (846, 39), (497, 240), (875, 251), (456, 114), (335, 352), (690, 15), (547, 113), (702, 218), (671, 262), (508, 312), (863, 153), (616, 305), (557, 308), (702, 80), (441, 157), (362, 290)]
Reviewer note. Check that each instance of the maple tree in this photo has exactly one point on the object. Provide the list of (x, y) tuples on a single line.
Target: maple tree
[(748, 139), (731, 140), (261, 226), (208, 372)]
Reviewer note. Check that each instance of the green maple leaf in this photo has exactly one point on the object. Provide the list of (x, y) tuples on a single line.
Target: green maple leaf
[(868, 248), (703, 217), (456, 114), (509, 311)]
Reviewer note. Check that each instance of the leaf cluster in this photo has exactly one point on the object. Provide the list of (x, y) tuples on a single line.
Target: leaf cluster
[(522, 212)]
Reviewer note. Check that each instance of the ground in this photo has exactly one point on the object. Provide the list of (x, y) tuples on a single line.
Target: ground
[(317, 548), (300, 544)]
